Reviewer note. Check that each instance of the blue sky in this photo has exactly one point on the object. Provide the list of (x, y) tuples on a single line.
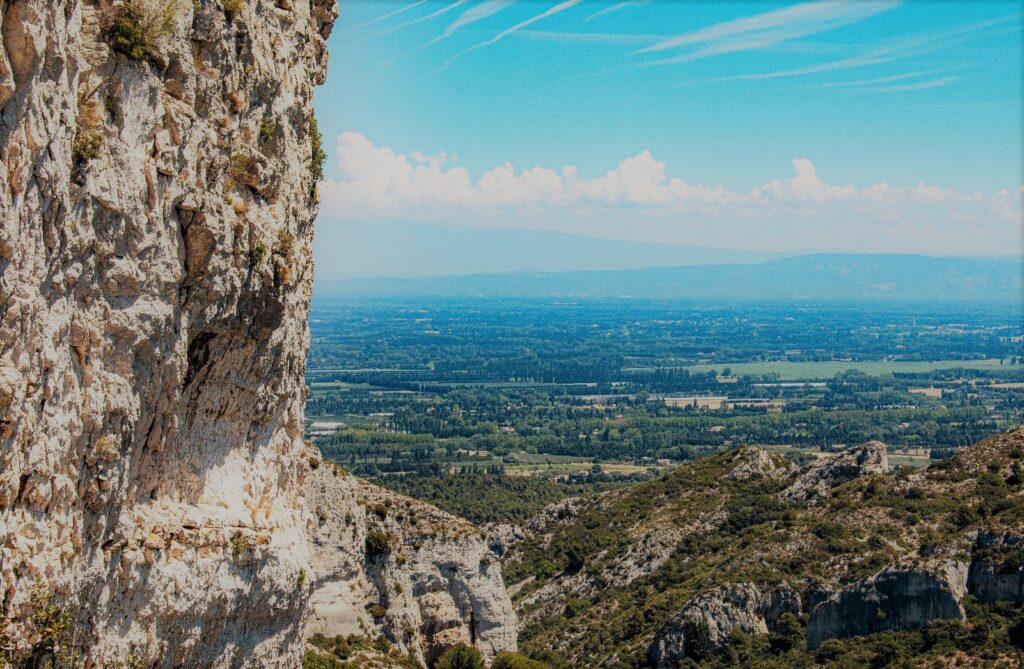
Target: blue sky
[(860, 126)]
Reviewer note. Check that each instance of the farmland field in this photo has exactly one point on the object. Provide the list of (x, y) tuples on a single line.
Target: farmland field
[(804, 371)]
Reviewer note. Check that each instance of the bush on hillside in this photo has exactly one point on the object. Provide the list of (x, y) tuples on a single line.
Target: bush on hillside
[(460, 657)]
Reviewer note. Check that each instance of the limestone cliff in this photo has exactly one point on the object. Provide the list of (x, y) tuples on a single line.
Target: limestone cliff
[(157, 194), (894, 599), (741, 606), (389, 564)]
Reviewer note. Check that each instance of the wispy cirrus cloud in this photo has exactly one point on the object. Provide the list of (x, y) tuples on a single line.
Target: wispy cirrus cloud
[(611, 9), (560, 7), (590, 37), (766, 29), (855, 83), (423, 19), (472, 15), (906, 46), (917, 86), (377, 182), (400, 10)]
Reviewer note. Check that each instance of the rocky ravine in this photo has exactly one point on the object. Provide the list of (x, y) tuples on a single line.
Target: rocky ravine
[(156, 211)]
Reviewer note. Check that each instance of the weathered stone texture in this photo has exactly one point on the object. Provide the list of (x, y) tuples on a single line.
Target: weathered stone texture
[(438, 583), (155, 276)]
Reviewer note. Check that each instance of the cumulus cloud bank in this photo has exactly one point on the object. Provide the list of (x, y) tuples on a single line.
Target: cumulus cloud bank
[(639, 195)]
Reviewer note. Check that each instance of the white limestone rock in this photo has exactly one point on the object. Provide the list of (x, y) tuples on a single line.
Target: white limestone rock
[(436, 584), (151, 358)]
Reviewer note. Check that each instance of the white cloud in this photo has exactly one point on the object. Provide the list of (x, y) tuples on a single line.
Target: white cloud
[(396, 12), (639, 194), (917, 86), (428, 17), (618, 6), (560, 7), (767, 29), (472, 15), (896, 49)]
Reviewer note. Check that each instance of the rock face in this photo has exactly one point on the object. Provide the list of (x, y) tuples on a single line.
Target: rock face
[(998, 572), (993, 583), (869, 458), (387, 563), (755, 463), (741, 606), (895, 599), (155, 222)]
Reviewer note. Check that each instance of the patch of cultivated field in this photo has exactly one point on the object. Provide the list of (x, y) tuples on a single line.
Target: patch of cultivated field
[(807, 371), (570, 468)]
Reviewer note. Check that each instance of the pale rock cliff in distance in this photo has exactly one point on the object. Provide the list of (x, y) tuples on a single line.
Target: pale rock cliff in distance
[(389, 564)]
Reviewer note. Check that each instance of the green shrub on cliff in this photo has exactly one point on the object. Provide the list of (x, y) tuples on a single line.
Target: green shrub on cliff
[(377, 543), (138, 27), (318, 154), (460, 657), (508, 660)]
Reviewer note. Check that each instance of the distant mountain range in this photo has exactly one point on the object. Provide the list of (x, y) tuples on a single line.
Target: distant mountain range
[(847, 277), (392, 249)]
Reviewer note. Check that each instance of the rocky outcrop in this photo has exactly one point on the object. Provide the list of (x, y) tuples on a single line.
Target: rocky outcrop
[(156, 209), (742, 606), (561, 512), (894, 599), (502, 536), (997, 571), (996, 582), (646, 553), (390, 564), (816, 479), (751, 539), (755, 463)]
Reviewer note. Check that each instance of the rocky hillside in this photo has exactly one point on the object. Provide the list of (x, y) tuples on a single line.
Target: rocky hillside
[(157, 194), (745, 559), (390, 566)]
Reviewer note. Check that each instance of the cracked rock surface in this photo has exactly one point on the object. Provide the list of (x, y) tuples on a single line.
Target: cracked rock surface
[(155, 273), (389, 564)]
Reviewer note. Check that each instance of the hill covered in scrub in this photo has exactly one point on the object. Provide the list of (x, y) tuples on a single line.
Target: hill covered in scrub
[(743, 558)]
